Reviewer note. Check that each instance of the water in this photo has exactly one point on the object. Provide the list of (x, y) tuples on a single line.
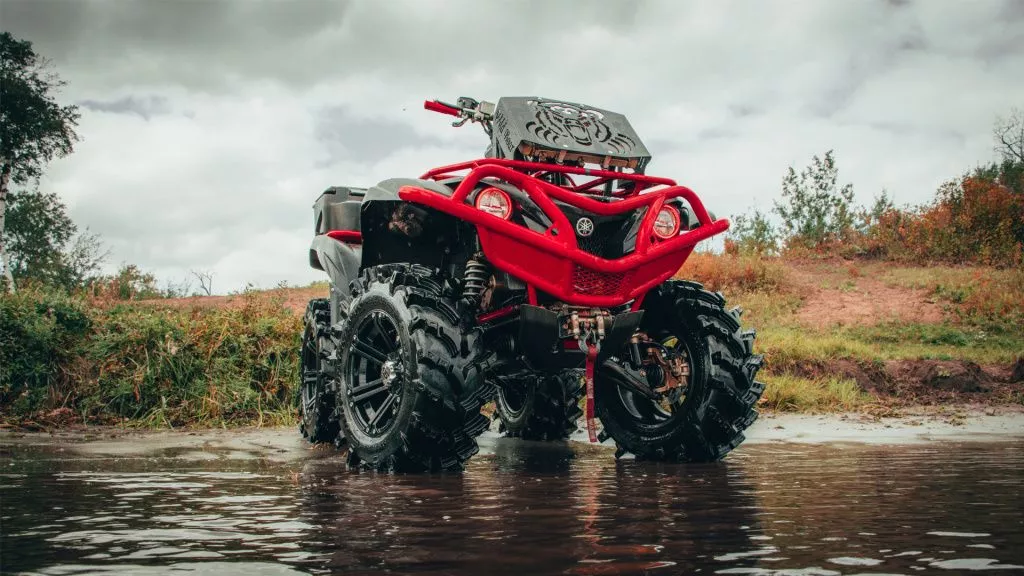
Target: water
[(522, 508)]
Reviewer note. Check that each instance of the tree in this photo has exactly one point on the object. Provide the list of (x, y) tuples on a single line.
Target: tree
[(205, 279), (43, 243), (34, 128), (814, 210), (1009, 136)]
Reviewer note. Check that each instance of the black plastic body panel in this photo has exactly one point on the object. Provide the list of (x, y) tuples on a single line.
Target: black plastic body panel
[(328, 215), (340, 260)]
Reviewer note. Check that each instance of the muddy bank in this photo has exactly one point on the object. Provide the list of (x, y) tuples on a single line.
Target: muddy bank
[(925, 382), (285, 444)]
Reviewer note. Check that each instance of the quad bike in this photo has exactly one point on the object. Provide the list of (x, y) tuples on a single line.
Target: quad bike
[(535, 276)]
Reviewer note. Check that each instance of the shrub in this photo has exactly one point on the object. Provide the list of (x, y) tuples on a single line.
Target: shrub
[(976, 219), (751, 235), (41, 332), (735, 273), (814, 210), (177, 366)]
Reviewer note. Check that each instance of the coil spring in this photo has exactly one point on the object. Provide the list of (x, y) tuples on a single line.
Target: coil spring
[(475, 279)]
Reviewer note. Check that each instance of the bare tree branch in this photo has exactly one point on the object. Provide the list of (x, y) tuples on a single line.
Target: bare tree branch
[(205, 279), (1009, 135)]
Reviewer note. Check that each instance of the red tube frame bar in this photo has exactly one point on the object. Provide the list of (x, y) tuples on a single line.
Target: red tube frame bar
[(503, 241)]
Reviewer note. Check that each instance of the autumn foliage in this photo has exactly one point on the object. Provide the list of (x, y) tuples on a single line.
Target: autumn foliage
[(977, 219)]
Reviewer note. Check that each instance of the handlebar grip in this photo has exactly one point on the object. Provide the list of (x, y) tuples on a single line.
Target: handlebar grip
[(436, 106)]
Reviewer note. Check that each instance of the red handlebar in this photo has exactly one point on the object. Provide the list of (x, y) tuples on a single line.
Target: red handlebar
[(436, 106)]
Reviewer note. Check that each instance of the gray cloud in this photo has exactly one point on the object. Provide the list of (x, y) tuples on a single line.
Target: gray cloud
[(209, 127), (144, 107), (352, 138)]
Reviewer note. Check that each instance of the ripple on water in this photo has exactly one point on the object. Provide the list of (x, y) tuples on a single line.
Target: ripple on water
[(528, 508)]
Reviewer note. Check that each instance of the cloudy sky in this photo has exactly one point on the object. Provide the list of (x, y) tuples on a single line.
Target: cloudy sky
[(210, 126)]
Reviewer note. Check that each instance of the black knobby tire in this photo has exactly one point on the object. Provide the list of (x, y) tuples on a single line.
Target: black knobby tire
[(719, 403), (540, 408), (410, 389), (317, 421)]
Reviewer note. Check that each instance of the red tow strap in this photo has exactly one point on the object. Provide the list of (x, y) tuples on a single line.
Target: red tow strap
[(592, 352)]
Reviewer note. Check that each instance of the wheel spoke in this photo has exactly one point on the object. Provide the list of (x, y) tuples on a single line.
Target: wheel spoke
[(384, 407), (308, 398), (381, 328), (368, 390), (368, 351)]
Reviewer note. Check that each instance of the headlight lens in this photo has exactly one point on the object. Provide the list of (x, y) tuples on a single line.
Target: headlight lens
[(494, 201), (666, 225)]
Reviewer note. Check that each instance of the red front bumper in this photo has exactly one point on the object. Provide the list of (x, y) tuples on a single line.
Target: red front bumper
[(552, 261)]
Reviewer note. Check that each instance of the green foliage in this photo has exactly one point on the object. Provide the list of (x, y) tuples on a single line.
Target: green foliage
[(751, 235), (41, 241), (162, 366), (790, 393), (40, 333), (976, 219), (34, 128), (814, 210)]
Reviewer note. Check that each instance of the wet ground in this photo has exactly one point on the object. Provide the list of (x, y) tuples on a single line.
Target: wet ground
[(265, 504)]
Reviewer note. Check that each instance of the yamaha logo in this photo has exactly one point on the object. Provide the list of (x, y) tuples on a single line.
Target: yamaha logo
[(584, 227)]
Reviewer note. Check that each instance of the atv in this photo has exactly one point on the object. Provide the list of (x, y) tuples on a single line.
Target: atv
[(540, 277)]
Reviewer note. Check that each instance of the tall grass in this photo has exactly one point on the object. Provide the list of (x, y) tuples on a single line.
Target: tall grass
[(789, 393), (162, 366), (735, 272)]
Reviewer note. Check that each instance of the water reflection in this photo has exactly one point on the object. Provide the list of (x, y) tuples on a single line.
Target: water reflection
[(526, 508)]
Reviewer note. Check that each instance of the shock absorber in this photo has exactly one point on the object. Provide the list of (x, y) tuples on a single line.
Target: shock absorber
[(474, 280)]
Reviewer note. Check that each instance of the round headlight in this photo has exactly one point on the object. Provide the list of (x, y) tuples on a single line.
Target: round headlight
[(666, 225), (495, 201)]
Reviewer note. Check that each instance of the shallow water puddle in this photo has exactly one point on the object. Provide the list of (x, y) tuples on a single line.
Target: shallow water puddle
[(523, 508)]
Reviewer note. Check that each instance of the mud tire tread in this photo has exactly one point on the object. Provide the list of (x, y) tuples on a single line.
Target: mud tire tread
[(447, 388), (321, 426), (727, 401), (553, 412)]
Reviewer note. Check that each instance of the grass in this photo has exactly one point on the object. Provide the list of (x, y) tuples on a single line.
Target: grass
[(148, 365), (985, 305), (976, 295), (789, 393), (217, 363), (788, 344)]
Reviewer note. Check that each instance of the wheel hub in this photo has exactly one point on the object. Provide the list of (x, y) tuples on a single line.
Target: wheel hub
[(389, 372)]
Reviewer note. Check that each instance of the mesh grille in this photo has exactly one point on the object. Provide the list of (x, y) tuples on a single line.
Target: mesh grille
[(594, 283)]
